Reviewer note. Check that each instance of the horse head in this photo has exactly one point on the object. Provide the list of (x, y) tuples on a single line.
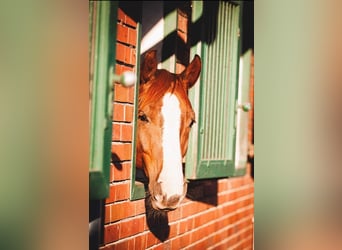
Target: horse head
[(165, 117)]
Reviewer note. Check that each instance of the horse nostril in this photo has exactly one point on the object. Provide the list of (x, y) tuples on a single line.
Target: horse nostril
[(173, 201)]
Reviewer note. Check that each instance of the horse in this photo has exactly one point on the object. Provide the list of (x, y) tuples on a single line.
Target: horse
[(165, 117)]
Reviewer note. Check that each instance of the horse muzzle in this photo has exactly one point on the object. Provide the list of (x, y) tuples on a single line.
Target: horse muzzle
[(167, 203)]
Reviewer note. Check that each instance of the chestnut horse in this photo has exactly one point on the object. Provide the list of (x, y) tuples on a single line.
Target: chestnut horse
[(165, 117)]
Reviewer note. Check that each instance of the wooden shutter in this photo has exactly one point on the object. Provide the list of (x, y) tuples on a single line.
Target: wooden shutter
[(102, 53), (212, 141)]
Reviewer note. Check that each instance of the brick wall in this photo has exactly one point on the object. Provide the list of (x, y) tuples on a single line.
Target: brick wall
[(219, 213)]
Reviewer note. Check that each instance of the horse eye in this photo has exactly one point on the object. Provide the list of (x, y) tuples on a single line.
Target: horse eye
[(192, 123), (143, 118)]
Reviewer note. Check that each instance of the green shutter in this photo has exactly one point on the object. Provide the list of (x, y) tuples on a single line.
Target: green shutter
[(212, 142), (102, 61), (137, 187)]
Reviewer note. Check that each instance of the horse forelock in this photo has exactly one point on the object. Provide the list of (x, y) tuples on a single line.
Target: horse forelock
[(161, 83)]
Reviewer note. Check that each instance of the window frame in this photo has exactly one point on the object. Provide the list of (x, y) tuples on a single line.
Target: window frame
[(137, 188)]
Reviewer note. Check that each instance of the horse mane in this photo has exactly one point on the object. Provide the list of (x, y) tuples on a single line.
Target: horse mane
[(151, 92)]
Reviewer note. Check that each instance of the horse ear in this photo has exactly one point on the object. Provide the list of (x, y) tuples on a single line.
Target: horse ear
[(148, 66), (191, 73)]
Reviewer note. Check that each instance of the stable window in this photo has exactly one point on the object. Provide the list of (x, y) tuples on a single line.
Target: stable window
[(214, 35), (157, 29)]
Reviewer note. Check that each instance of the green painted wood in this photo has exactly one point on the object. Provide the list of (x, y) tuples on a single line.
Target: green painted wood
[(137, 188), (103, 58), (212, 143), (194, 96), (170, 32)]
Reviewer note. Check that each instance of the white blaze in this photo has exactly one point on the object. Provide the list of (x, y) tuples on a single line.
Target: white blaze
[(171, 176)]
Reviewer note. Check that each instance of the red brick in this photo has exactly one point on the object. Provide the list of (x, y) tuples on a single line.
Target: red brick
[(121, 191), (244, 203), (174, 215), (247, 180), (122, 151), (118, 112), (210, 229), (204, 218), (184, 240), (163, 246), (111, 172), (119, 68), (108, 247), (131, 243), (151, 240), (199, 207), (235, 182), (243, 224), (122, 245), (116, 128), (120, 211), (131, 227), (187, 209), (123, 172), (173, 229), (120, 52), (247, 243), (128, 113), (225, 197), (111, 197), (218, 237), (122, 33), (231, 242), (121, 94), (107, 214), (222, 185), (185, 226), (196, 235), (126, 132), (111, 232), (200, 245), (125, 54), (226, 221), (243, 192), (131, 95), (227, 209), (130, 56), (140, 242), (176, 243), (139, 207), (132, 37), (129, 21), (126, 34), (121, 15)]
